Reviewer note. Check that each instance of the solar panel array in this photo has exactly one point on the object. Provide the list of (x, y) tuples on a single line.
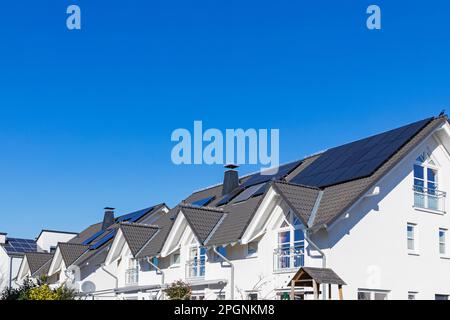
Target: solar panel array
[(93, 237), (250, 192), (15, 245), (203, 202), (358, 159), (269, 175), (134, 216), (103, 240), (259, 179)]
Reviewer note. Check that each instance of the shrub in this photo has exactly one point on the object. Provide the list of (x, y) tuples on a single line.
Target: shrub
[(39, 290), (178, 290), (19, 293), (41, 293)]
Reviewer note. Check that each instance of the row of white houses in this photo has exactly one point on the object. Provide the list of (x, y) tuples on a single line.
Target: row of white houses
[(366, 220)]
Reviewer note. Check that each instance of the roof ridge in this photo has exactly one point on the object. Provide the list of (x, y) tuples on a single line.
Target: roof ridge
[(206, 208), (73, 244), (296, 184), (36, 252), (137, 224)]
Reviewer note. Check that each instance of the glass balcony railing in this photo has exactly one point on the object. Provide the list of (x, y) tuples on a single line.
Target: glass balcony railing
[(132, 276), (288, 259), (195, 269), (428, 198)]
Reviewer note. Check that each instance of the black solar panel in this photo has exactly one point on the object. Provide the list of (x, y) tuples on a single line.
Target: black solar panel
[(250, 192), (283, 171), (358, 159), (15, 245), (203, 202), (134, 216)]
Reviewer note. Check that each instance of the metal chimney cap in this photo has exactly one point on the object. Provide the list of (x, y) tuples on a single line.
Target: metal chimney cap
[(231, 166), (109, 208)]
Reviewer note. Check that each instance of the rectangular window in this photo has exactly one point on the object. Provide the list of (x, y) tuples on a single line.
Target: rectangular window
[(442, 242), (252, 249), (441, 297), (176, 258), (367, 294), (411, 228), (412, 295), (252, 296), (220, 295)]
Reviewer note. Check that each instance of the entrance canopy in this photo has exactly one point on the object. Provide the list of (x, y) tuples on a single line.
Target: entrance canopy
[(314, 277), (304, 277)]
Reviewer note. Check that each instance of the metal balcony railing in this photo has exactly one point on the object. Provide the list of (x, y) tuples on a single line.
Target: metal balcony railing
[(288, 259), (132, 276), (428, 198), (195, 269)]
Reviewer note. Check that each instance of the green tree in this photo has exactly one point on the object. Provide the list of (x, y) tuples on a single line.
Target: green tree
[(178, 290)]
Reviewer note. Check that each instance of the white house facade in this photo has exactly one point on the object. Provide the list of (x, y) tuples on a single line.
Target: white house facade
[(359, 221)]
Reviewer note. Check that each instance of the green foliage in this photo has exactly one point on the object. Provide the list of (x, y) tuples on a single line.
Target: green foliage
[(178, 290), (41, 293), (37, 290), (19, 293)]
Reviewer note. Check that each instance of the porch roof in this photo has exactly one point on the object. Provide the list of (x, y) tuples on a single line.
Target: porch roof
[(319, 275)]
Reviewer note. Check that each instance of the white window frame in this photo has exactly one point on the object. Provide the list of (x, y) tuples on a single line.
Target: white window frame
[(132, 271), (173, 263), (443, 243), (195, 246), (373, 294), (425, 161), (254, 293), (413, 295), (415, 250), (293, 224)]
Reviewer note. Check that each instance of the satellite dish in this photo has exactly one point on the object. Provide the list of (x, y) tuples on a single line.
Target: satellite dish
[(88, 287)]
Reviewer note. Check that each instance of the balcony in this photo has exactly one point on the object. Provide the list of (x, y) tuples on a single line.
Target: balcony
[(288, 259), (132, 276), (195, 269), (431, 199)]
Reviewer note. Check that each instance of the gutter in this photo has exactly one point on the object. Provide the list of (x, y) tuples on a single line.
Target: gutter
[(324, 260), (162, 275), (308, 231), (232, 270)]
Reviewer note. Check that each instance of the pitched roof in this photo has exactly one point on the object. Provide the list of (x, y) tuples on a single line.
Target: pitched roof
[(320, 275), (202, 220), (334, 199), (70, 252), (338, 198), (153, 248), (37, 260), (301, 199), (137, 235), (94, 233)]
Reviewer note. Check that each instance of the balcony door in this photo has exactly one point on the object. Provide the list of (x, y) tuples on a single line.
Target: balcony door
[(196, 263), (291, 244), (426, 190)]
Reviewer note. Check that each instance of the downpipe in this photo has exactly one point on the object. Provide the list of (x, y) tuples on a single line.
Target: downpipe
[(103, 267), (324, 261), (232, 270), (162, 276)]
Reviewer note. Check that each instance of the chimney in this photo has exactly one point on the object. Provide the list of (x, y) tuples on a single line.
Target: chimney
[(108, 219), (230, 179), (2, 237)]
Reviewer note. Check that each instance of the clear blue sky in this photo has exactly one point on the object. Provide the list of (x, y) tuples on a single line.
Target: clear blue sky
[(86, 116)]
